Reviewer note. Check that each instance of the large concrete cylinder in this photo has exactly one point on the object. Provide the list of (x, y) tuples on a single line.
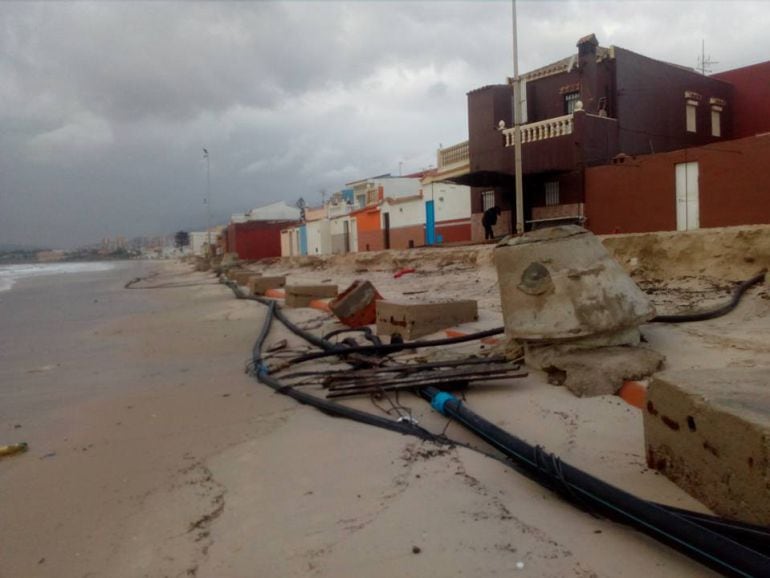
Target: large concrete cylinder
[(560, 283)]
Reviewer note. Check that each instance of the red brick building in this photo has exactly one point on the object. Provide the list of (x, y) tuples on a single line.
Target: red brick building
[(255, 239), (717, 185), (750, 100)]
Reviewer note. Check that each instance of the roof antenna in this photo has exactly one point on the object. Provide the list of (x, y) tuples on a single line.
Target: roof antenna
[(704, 62)]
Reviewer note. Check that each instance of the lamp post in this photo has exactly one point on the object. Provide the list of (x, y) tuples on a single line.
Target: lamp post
[(517, 130), (208, 200)]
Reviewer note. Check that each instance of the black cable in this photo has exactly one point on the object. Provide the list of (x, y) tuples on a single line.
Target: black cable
[(366, 330), (329, 407), (717, 311), (713, 549), (386, 348), (307, 336)]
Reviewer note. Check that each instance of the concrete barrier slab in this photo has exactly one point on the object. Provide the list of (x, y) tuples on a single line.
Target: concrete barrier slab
[(709, 431), (413, 320), (258, 285), (302, 295)]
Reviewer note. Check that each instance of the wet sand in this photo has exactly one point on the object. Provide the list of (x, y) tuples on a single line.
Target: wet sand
[(152, 453), (122, 395)]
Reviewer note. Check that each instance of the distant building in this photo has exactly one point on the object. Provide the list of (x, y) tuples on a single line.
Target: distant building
[(256, 234), (279, 211), (447, 205), (199, 240)]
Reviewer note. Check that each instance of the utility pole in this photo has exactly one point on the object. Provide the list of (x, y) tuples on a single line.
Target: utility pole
[(517, 129), (208, 199)]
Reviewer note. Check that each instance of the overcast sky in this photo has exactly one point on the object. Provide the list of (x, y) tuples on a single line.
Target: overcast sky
[(105, 107)]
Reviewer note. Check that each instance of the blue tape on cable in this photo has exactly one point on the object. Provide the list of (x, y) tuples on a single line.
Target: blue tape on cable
[(440, 399)]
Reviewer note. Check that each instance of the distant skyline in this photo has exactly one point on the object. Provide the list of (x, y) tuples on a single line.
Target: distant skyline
[(105, 107)]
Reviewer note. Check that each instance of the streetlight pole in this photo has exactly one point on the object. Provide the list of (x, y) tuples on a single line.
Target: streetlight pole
[(208, 200), (517, 130)]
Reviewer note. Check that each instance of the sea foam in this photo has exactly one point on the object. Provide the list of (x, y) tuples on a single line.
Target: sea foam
[(9, 274)]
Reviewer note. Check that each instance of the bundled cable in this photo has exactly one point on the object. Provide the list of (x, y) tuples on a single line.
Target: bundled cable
[(684, 533)]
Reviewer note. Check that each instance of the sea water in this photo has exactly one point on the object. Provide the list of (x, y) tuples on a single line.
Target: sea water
[(9, 274)]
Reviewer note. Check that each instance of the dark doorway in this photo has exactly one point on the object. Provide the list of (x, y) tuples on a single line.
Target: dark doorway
[(386, 229)]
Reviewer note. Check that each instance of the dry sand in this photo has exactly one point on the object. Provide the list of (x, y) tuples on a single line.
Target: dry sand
[(153, 454)]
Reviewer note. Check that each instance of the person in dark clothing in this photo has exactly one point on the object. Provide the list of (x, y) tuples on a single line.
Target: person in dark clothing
[(489, 220)]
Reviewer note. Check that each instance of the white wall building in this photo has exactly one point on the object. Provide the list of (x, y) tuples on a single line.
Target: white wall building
[(199, 239), (279, 211), (375, 189), (451, 201), (319, 240), (343, 235)]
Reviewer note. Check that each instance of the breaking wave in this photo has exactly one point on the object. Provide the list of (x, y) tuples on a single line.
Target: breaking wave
[(9, 274)]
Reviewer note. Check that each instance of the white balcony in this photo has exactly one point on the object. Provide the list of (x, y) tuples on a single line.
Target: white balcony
[(541, 130), (454, 155), (451, 162)]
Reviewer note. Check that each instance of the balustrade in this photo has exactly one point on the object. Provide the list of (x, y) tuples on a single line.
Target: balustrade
[(541, 130)]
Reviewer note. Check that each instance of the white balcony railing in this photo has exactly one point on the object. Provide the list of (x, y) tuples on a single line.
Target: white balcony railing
[(541, 130), (456, 154)]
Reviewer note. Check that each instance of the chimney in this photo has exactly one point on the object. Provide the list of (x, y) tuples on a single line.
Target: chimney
[(587, 68), (587, 45)]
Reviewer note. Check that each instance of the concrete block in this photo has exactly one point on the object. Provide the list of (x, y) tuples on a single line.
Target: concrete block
[(709, 432), (302, 295), (229, 259), (356, 306), (560, 284), (258, 285), (413, 320), (231, 272), (592, 372), (241, 276)]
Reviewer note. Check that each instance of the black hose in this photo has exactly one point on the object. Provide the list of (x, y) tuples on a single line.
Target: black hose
[(307, 336), (717, 311), (710, 548), (386, 348), (329, 407), (366, 330)]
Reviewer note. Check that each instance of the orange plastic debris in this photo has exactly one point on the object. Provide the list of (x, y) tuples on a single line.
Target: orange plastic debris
[(633, 393)]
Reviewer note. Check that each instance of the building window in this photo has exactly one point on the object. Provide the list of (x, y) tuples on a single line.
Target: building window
[(716, 121), (692, 109), (692, 99), (552, 193), (487, 200), (570, 100)]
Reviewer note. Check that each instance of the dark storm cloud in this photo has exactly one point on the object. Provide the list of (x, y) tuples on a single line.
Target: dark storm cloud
[(104, 107)]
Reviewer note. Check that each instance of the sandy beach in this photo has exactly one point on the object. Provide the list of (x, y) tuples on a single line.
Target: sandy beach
[(152, 453)]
